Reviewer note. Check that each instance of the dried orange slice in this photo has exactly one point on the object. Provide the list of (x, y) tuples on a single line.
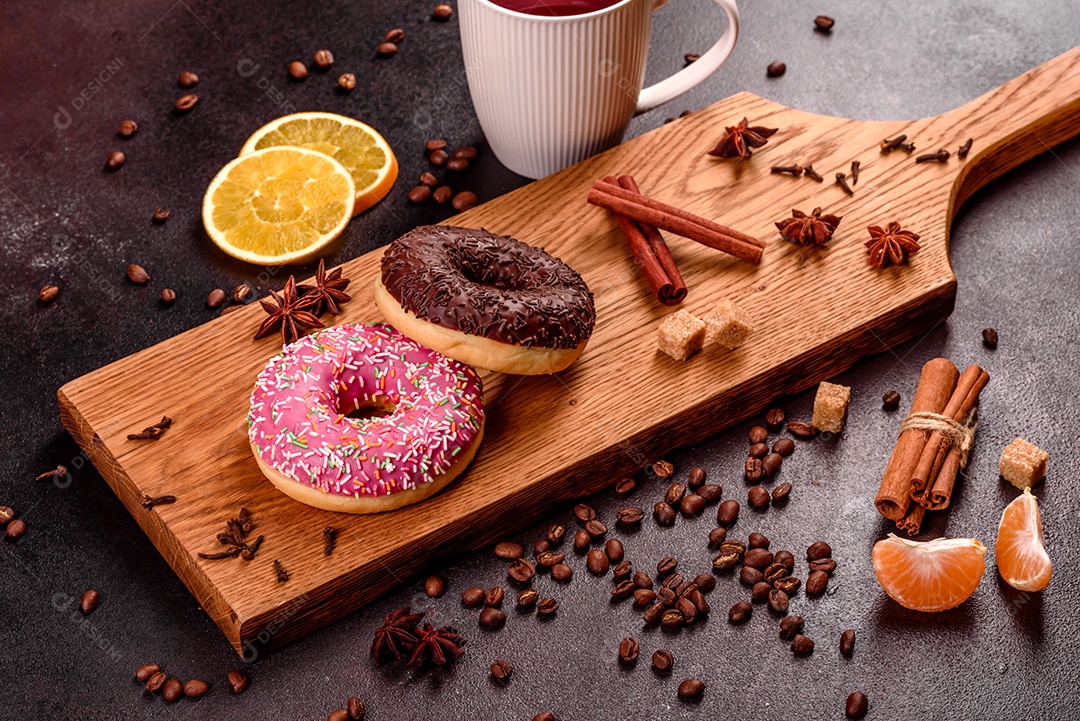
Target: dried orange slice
[(931, 576), (1021, 557)]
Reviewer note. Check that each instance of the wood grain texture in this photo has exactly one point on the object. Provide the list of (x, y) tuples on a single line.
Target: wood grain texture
[(551, 438)]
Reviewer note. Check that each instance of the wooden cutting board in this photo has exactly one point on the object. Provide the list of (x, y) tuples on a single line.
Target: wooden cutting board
[(551, 438)]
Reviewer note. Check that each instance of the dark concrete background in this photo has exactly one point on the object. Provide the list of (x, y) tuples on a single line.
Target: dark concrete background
[(65, 220)]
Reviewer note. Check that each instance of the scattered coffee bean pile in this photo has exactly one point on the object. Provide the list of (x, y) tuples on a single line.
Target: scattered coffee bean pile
[(354, 711), (171, 689), (14, 527), (455, 161)]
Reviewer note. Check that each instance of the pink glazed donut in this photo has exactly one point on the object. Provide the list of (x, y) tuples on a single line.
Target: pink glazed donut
[(313, 451)]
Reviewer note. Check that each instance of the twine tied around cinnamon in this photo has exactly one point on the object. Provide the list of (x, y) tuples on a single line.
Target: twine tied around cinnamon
[(962, 435)]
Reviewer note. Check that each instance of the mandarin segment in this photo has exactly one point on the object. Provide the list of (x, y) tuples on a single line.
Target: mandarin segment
[(1022, 559), (931, 576)]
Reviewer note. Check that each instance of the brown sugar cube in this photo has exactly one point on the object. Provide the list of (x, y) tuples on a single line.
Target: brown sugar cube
[(728, 325), (1023, 464), (830, 407), (681, 335)]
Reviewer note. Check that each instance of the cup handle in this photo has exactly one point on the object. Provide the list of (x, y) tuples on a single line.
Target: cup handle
[(692, 74)]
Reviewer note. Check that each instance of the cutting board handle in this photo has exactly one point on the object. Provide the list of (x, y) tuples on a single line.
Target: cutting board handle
[(1017, 121)]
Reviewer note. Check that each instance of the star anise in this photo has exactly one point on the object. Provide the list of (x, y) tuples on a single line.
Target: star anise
[(741, 140), (395, 637), (328, 291), (890, 245), (438, 645), (288, 313), (813, 229)]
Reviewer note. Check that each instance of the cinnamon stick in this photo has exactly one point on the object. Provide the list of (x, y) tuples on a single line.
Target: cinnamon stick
[(939, 495), (911, 523), (649, 211), (678, 291), (932, 459), (936, 383)]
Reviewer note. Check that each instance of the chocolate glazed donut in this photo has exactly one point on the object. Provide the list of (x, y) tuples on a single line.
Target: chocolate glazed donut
[(487, 300)]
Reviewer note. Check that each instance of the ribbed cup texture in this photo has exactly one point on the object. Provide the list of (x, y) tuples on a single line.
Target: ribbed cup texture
[(552, 91)]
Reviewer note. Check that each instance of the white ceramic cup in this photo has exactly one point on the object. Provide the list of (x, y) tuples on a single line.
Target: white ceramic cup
[(551, 91)]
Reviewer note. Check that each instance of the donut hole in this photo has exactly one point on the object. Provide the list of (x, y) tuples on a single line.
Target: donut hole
[(490, 276), (367, 409)]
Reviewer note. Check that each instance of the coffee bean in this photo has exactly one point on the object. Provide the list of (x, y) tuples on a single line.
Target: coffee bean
[(698, 599), (654, 614), (823, 23), (48, 293), (711, 492), (760, 592), (582, 539), (857, 705), (663, 469), (759, 497), (990, 338), (818, 550), (464, 200), (509, 550), (386, 49), (173, 690), (238, 681), (758, 540), (547, 606), (696, 477), (667, 565), (801, 645), (356, 709), (691, 689), (323, 59), (823, 564), (466, 152), (419, 194), (727, 512), (740, 612), (492, 617), (347, 82), (241, 292), (160, 215), (781, 493), (561, 572), (753, 470), (584, 512), (215, 298), (672, 619), (137, 274), (156, 681), (188, 79), (750, 576), (802, 429), (675, 493), (548, 559), (435, 144), (542, 545), (556, 533), (778, 601), (438, 157), (457, 164), (692, 504), (787, 584), (665, 514), (890, 400), (687, 608), (644, 596), (666, 596), (596, 529), (443, 11), (727, 559), (196, 688), (771, 463), (847, 642), (791, 626), (501, 670), (717, 536), (642, 580), (528, 598), (759, 434), (785, 559), (705, 581), (597, 562), (494, 596), (630, 517), (776, 69), (521, 570), (784, 447), (625, 486), (115, 160), (144, 672), (623, 590), (127, 128), (759, 558), (672, 582), (757, 451), (473, 596), (622, 569), (628, 651), (396, 35), (816, 583), (89, 602), (734, 544), (663, 661)]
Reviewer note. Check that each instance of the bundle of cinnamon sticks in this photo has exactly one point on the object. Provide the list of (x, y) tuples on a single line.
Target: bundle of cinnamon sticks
[(934, 442), (641, 218)]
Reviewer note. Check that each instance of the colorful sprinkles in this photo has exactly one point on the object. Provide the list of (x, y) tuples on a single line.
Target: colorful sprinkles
[(299, 425)]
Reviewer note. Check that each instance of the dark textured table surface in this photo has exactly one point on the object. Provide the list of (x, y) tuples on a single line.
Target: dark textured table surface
[(70, 71)]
